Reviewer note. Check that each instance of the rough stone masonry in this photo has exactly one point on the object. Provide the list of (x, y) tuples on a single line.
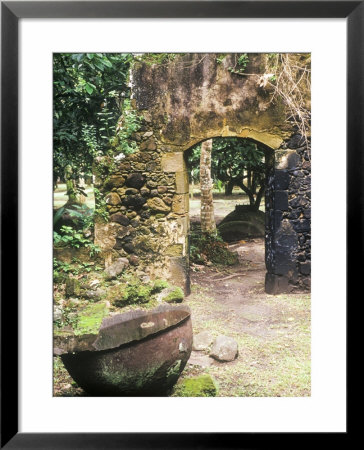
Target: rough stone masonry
[(180, 103)]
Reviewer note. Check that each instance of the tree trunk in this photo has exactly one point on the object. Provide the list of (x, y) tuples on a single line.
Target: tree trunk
[(229, 186), (70, 185), (208, 224), (80, 197)]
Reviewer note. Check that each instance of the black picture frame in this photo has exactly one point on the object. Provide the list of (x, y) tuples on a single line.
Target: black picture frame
[(11, 12)]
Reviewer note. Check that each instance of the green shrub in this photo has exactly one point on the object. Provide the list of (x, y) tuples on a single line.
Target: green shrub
[(206, 247)]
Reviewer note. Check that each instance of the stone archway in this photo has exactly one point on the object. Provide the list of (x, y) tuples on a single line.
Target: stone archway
[(181, 103)]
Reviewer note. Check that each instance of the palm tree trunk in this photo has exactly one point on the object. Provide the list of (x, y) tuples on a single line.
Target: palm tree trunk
[(208, 224)]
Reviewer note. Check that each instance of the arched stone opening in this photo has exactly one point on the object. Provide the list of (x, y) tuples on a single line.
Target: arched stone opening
[(146, 193)]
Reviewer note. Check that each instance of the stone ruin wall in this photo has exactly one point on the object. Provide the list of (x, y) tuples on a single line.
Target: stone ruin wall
[(182, 103)]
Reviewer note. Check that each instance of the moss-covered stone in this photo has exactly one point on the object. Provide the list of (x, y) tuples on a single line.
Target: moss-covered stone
[(201, 386), (173, 295), (90, 319), (73, 287)]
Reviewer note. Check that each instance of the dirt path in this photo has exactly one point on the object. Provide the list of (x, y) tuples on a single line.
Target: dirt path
[(273, 332)]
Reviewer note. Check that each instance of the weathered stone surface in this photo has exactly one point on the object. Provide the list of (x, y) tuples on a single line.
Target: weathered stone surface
[(116, 181), (171, 294), (224, 348), (156, 204), (276, 284), (148, 145), (73, 287), (116, 267), (180, 204), (113, 199), (119, 218), (57, 313), (146, 352), (202, 341), (242, 223), (95, 295), (135, 180), (200, 359), (183, 107), (173, 162), (174, 250), (182, 186)]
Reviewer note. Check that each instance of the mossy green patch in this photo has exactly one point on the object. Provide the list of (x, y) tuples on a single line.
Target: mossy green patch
[(175, 295), (201, 386), (90, 318), (159, 285)]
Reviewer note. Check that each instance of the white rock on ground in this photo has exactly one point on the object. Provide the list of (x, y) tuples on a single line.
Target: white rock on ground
[(224, 348), (116, 268), (202, 341)]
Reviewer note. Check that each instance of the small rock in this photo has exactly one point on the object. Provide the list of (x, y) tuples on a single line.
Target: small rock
[(57, 314), (224, 348), (201, 386), (171, 295), (95, 294), (73, 287), (116, 268), (202, 341)]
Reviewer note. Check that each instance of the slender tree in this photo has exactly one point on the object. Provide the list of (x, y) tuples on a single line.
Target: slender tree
[(208, 224)]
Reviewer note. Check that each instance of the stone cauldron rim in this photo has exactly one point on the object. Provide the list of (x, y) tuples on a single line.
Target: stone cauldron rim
[(116, 330)]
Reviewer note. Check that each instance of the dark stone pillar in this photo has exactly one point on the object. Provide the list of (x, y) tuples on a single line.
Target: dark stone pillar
[(288, 224)]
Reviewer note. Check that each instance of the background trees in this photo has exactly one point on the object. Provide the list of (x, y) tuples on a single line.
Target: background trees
[(234, 162), (88, 94)]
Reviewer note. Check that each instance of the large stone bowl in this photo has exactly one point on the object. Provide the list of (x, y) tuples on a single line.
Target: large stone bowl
[(138, 353)]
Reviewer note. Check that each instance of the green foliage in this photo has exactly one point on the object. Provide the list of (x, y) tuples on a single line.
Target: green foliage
[(88, 321), (88, 90), (234, 162), (158, 286), (220, 57), (240, 64), (133, 292), (131, 123), (158, 58), (210, 248), (101, 206), (69, 237)]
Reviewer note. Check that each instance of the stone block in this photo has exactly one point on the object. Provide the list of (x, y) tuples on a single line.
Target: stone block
[(305, 268), (112, 199), (281, 180), (173, 162), (281, 200), (287, 159), (225, 348), (275, 284), (175, 250), (156, 204), (179, 273), (182, 186), (302, 226), (180, 204)]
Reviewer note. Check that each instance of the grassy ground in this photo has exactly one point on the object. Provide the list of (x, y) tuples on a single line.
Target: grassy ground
[(274, 347), (60, 197)]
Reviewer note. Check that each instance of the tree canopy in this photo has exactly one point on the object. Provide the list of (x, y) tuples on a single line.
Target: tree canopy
[(88, 93), (235, 162)]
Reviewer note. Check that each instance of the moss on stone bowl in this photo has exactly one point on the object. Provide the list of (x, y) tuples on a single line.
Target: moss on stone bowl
[(138, 353)]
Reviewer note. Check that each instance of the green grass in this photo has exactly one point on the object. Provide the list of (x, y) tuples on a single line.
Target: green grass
[(275, 364), (60, 197)]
